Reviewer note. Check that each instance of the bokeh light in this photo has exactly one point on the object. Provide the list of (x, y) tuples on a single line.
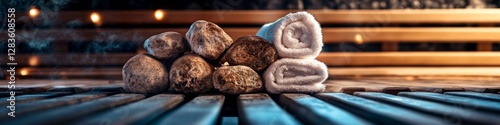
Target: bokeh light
[(159, 14)]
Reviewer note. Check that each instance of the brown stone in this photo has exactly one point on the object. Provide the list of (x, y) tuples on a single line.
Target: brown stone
[(237, 80), (252, 51), (207, 39), (166, 45), (144, 74), (191, 74)]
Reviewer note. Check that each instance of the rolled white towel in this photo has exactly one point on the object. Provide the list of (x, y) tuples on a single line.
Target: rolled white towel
[(297, 35), (295, 75)]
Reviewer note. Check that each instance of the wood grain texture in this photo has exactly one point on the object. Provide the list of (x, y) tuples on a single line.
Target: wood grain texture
[(410, 58), (204, 109), (415, 71), (311, 110), (377, 112), (439, 110), (260, 109)]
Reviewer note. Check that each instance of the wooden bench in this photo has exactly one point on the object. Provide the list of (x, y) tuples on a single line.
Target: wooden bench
[(339, 26), (377, 102)]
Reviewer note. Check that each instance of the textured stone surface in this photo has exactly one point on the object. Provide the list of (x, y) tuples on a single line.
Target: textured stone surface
[(252, 51), (145, 74), (191, 74), (166, 45), (236, 80), (207, 39)]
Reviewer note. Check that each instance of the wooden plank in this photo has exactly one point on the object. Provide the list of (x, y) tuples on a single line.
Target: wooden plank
[(113, 89), (343, 89), (140, 112), (53, 103), (487, 96), (381, 17), (419, 85), (474, 104), (22, 90), (404, 34), (485, 46), (73, 90), (415, 71), (229, 120), (351, 86), (313, 111), (34, 97), (63, 83), (483, 89), (203, 109), (452, 114), (386, 46), (472, 85), (441, 86), (260, 109), (377, 112), (330, 35), (31, 90), (72, 112), (410, 59), (7, 94)]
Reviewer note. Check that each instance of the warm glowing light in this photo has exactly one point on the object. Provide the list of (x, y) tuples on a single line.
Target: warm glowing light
[(33, 61), (34, 12), (24, 72), (159, 14), (96, 18), (358, 39), (410, 78)]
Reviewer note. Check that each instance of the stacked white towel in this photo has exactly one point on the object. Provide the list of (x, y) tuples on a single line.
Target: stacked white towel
[(298, 40)]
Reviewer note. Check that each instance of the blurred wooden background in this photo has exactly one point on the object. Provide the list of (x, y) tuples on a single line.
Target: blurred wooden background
[(95, 44)]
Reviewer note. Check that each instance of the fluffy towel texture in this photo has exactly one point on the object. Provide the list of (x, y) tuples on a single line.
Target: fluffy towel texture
[(295, 75), (297, 35)]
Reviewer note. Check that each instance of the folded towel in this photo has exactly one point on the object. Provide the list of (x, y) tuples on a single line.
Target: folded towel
[(295, 75), (297, 35)]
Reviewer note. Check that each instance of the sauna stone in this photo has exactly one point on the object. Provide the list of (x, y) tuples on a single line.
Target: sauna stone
[(252, 51), (166, 45), (237, 80), (207, 39), (145, 74), (191, 74)]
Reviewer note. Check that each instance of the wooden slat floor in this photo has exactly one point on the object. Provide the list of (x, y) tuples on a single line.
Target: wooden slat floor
[(346, 101)]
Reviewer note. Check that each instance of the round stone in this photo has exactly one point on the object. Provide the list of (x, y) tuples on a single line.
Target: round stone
[(252, 51), (145, 74), (237, 80), (166, 45), (207, 39), (191, 74)]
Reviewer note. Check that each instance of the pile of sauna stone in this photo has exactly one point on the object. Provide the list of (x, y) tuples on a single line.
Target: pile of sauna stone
[(206, 59)]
